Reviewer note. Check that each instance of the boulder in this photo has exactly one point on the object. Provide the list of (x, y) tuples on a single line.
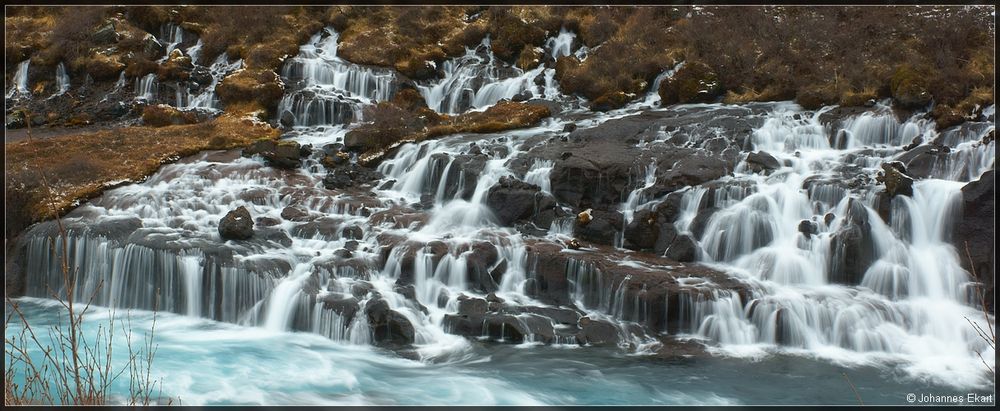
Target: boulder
[(975, 228), (236, 225), (602, 228), (684, 248), (895, 180), (284, 154), (388, 326), (512, 200), (695, 82), (853, 247), (597, 332), (643, 231), (762, 162)]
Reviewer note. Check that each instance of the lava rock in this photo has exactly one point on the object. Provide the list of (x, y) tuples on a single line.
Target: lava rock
[(236, 225), (762, 162)]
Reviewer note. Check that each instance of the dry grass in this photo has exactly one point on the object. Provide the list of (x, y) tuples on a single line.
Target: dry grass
[(81, 166), (376, 138)]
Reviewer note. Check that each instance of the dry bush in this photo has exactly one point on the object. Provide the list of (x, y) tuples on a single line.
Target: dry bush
[(73, 370)]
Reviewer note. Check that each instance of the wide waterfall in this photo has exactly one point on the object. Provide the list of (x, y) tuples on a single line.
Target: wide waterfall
[(519, 250)]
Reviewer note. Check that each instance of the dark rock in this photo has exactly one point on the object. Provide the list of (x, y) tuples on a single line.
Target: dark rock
[(808, 228), (644, 230), (345, 307), (512, 200), (895, 180), (602, 228), (762, 162), (569, 128), (975, 229), (471, 306), (293, 213), (388, 326), (236, 225), (597, 332), (684, 248), (354, 232), (853, 248), (666, 236)]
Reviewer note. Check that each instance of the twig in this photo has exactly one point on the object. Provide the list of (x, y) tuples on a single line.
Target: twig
[(853, 388)]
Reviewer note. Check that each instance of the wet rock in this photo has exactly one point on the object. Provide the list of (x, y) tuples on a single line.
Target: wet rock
[(481, 259), (853, 248), (471, 306), (360, 289), (684, 248), (808, 228), (345, 307), (569, 128), (701, 220), (975, 228), (666, 236), (350, 175), (762, 162), (354, 232), (277, 236), (293, 213), (602, 228), (492, 298), (512, 200), (895, 180), (284, 154), (597, 332), (388, 326), (644, 230), (691, 171), (236, 225)]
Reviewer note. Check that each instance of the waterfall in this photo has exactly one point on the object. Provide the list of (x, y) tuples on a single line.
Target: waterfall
[(331, 90), (219, 69), (62, 80), (174, 36), (20, 88), (478, 80), (913, 295), (146, 87)]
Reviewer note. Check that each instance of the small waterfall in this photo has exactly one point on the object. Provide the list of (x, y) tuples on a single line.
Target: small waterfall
[(174, 36), (332, 90), (145, 88), (62, 80), (20, 88), (478, 80), (561, 45), (914, 290), (219, 69), (539, 174), (653, 95)]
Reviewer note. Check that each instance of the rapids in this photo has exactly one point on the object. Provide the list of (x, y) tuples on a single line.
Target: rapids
[(285, 317)]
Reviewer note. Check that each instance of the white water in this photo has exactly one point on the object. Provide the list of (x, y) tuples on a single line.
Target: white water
[(264, 284), (62, 80), (145, 88), (20, 87), (478, 80), (911, 303), (334, 90)]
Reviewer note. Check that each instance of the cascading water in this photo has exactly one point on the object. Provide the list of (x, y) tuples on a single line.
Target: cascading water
[(332, 90), (145, 88), (911, 302), (401, 261), (477, 80), (62, 80), (207, 99), (20, 88)]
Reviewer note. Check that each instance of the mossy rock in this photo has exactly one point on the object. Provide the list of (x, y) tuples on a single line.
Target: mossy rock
[(102, 67), (696, 82), (909, 87), (163, 115), (260, 86), (530, 58), (815, 97), (610, 101), (946, 117)]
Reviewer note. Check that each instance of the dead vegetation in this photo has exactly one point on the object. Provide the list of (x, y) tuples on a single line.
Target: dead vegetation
[(81, 166)]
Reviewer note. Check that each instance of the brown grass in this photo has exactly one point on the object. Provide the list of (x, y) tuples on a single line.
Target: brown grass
[(382, 134), (81, 166)]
